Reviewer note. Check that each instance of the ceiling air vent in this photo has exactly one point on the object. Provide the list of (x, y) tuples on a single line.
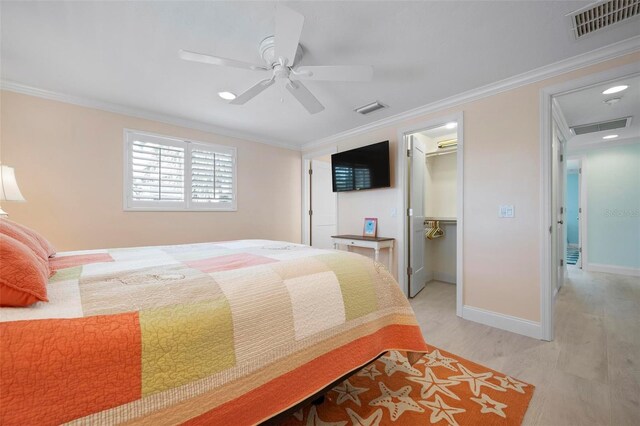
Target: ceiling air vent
[(369, 108), (602, 126), (603, 14)]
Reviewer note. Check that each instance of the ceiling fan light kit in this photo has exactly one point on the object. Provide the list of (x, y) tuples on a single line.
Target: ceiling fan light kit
[(281, 54)]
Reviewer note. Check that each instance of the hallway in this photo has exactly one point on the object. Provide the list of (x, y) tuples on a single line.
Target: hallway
[(590, 373)]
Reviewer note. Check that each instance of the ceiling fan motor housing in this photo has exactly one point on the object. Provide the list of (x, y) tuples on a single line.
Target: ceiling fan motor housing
[(268, 53)]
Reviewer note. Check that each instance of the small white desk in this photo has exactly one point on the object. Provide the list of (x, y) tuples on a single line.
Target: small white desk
[(375, 243)]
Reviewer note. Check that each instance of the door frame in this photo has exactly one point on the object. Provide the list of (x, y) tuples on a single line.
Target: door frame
[(582, 212), (546, 214), (402, 170), (306, 193)]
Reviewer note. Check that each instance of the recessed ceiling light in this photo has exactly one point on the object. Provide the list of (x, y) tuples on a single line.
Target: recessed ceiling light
[(451, 125), (615, 89), (610, 137), (227, 96)]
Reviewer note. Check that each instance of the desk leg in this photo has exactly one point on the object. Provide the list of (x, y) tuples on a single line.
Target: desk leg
[(377, 254), (390, 257)]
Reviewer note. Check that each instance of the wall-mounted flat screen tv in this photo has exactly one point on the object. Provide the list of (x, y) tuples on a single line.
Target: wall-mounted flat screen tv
[(361, 168)]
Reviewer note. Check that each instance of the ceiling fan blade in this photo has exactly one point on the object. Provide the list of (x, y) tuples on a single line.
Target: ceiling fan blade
[(215, 60), (288, 30), (335, 73), (252, 92), (304, 96)]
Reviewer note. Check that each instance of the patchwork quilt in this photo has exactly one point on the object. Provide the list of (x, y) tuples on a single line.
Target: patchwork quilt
[(217, 333)]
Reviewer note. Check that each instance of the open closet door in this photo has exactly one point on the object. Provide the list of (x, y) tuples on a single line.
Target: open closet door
[(417, 273)]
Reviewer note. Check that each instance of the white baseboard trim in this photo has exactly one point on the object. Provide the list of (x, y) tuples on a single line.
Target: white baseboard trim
[(503, 322), (612, 269), (444, 277)]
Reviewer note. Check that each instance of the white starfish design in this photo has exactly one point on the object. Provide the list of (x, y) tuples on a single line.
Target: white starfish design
[(369, 371), (476, 380), (346, 391), (441, 411), (314, 420), (397, 402), (508, 382), (490, 406), (432, 384), (397, 362), (435, 359), (373, 420)]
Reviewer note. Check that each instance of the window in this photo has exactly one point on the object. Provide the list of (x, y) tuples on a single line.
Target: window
[(163, 173)]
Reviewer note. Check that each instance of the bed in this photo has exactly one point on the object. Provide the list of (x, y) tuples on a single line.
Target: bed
[(218, 333)]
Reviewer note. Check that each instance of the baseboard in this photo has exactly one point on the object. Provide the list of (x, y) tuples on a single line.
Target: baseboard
[(444, 277), (612, 269), (503, 322)]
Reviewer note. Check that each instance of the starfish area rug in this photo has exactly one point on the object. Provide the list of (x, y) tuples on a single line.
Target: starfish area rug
[(440, 389)]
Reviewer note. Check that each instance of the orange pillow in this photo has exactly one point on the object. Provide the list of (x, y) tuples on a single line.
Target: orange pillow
[(46, 246), (10, 229), (23, 276)]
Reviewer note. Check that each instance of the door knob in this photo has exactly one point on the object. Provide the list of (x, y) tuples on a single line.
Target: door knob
[(560, 222)]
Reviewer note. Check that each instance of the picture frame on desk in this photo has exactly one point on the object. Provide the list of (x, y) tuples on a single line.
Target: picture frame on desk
[(370, 228)]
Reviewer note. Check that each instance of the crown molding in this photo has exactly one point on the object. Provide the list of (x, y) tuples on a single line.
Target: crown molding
[(596, 56), (24, 89)]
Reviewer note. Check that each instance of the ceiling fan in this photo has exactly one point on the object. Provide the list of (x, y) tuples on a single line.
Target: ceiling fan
[(281, 54)]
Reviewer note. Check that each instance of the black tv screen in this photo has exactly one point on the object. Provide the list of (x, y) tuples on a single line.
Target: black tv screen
[(361, 168)]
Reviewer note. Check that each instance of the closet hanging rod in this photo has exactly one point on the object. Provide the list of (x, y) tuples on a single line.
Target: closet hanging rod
[(444, 220), (438, 153)]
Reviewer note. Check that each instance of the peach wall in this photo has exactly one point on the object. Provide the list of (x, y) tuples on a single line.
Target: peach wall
[(501, 166), (69, 161)]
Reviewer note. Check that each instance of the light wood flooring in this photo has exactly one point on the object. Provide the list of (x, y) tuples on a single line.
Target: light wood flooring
[(590, 373)]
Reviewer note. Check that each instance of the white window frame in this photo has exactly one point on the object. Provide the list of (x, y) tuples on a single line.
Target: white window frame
[(169, 206)]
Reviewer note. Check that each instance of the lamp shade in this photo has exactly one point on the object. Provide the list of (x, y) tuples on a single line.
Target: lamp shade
[(9, 190)]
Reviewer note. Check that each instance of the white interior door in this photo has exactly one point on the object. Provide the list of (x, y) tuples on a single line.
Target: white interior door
[(417, 271), (580, 230), (324, 203), (558, 185)]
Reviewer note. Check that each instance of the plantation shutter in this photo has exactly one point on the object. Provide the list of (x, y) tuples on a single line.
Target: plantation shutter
[(170, 174), (157, 172), (211, 175)]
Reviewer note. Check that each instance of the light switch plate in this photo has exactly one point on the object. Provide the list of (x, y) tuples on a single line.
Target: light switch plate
[(506, 210)]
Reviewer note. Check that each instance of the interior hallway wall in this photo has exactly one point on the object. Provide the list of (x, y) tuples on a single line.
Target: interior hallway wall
[(613, 203)]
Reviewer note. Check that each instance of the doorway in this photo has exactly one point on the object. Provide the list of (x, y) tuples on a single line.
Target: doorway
[(591, 133), (320, 215), (433, 195)]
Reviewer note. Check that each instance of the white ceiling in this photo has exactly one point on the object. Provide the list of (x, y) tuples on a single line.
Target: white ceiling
[(126, 53), (586, 106)]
